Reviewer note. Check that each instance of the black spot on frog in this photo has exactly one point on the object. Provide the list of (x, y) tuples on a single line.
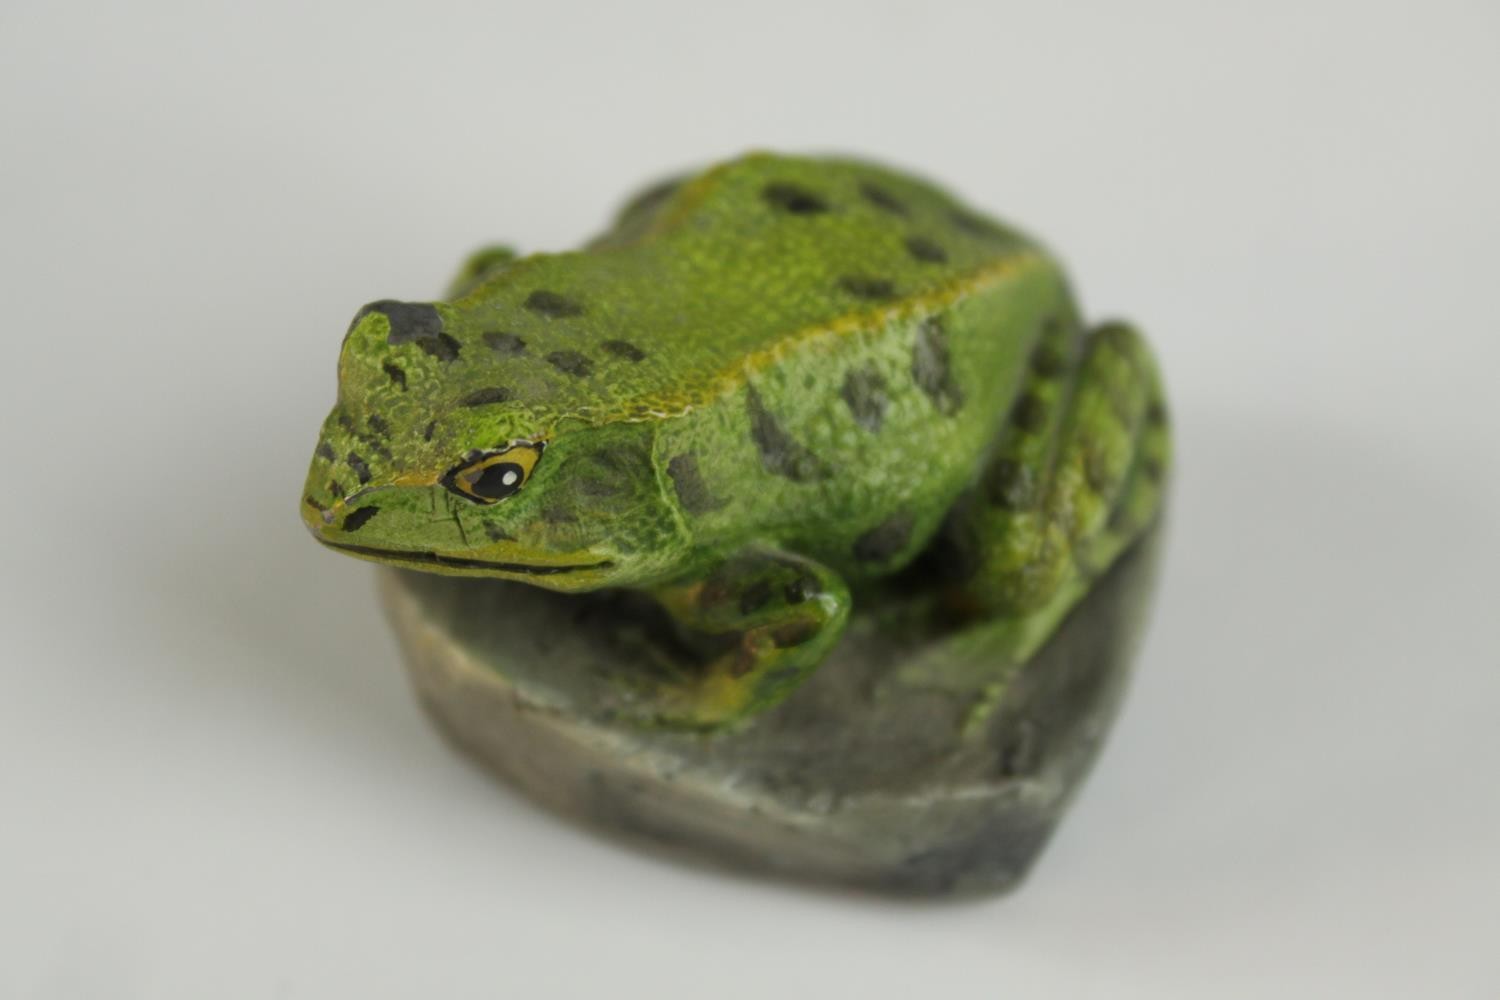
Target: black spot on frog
[(931, 367), (882, 199), (486, 396), (505, 344), (552, 304), (864, 393), (410, 322), (793, 199), (780, 453), (692, 492), (571, 363), (866, 287), (623, 349), (359, 517), (925, 250)]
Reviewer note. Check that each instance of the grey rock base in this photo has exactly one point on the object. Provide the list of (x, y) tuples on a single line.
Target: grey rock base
[(879, 772)]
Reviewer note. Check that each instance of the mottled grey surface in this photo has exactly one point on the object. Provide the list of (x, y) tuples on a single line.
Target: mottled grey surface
[(871, 774)]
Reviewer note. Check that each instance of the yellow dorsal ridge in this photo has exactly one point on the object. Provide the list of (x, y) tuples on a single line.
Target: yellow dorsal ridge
[(733, 377)]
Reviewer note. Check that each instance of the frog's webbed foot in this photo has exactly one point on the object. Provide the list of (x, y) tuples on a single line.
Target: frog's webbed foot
[(767, 618), (478, 267), (1077, 476)]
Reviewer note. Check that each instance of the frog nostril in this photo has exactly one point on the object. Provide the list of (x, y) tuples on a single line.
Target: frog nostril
[(357, 519)]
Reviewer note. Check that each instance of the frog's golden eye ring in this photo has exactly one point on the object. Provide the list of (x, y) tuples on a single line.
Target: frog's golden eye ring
[(491, 476)]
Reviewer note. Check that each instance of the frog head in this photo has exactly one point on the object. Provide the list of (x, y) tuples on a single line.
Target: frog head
[(475, 466)]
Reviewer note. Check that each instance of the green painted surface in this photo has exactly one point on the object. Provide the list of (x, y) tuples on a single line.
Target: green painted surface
[(770, 393)]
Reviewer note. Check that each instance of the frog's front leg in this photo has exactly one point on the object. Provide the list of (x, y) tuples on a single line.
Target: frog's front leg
[(477, 268), (1076, 477), (769, 617)]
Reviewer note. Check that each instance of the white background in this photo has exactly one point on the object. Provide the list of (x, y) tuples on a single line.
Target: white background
[(214, 781)]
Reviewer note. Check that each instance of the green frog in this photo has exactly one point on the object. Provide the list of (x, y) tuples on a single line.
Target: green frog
[(770, 392)]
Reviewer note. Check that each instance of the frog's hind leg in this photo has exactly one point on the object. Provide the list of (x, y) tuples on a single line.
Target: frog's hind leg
[(763, 619), (1077, 476)]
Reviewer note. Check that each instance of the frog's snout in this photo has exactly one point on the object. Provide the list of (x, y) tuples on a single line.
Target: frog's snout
[(340, 515), (318, 517)]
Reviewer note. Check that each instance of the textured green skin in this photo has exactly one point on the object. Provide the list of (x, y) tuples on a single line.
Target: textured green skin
[(759, 392)]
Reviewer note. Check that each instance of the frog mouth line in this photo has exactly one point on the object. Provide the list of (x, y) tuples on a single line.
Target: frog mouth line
[(458, 562)]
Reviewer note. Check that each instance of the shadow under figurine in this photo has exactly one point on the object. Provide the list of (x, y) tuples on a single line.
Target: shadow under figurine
[(817, 521)]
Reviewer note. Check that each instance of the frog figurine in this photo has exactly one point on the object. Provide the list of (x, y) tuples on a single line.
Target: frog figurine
[(772, 392)]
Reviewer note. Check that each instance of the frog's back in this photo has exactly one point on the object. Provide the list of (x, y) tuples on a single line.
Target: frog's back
[(707, 278), (871, 335)]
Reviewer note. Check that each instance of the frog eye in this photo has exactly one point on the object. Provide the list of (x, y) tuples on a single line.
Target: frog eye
[(491, 476)]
